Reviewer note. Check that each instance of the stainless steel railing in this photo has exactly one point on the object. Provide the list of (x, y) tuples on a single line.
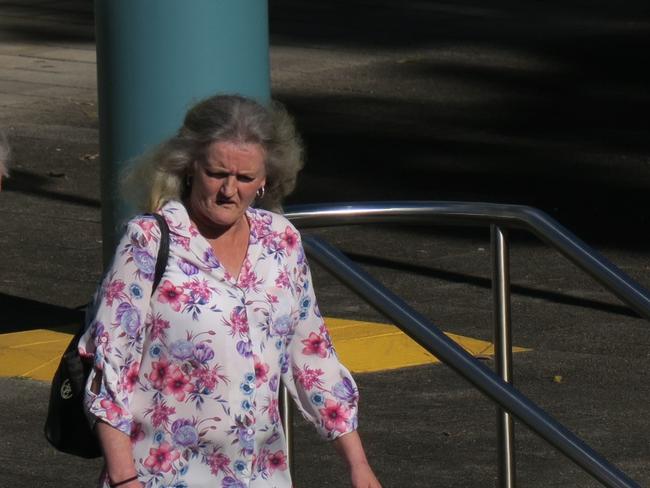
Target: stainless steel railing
[(499, 217)]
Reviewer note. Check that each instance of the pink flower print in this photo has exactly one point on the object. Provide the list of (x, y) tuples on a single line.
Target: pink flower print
[(183, 241), (193, 230), (199, 289), (177, 383), (282, 281), (158, 373), (272, 409), (146, 225), (130, 379), (172, 294), (112, 410), (158, 327), (261, 370), (218, 462), (335, 416), (161, 459), (238, 322), (315, 344), (277, 461), (247, 277), (137, 434), (114, 290), (259, 227), (160, 414), (289, 240), (206, 379), (307, 377)]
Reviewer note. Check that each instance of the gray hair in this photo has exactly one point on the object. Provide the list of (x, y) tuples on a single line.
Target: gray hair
[(161, 175)]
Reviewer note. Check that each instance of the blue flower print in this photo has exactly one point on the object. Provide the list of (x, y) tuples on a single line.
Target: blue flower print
[(239, 465), (284, 362), (249, 377), (184, 433), (159, 436), (230, 482), (155, 350), (304, 308), (282, 325), (317, 398), (203, 353), (246, 405), (145, 262), (246, 388), (129, 318), (136, 291), (345, 390), (187, 268), (182, 349), (244, 348), (274, 382)]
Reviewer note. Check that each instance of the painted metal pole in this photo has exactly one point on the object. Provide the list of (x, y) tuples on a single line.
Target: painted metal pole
[(503, 351), (155, 58)]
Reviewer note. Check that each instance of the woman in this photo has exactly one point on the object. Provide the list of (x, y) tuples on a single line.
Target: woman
[(184, 389)]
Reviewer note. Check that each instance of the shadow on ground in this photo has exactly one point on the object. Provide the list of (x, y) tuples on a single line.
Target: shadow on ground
[(21, 314)]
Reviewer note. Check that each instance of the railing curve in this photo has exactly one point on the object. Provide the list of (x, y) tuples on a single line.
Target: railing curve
[(434, 340), (470, 213)]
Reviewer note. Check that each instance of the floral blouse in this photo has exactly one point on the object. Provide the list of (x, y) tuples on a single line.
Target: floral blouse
[(192, 372)]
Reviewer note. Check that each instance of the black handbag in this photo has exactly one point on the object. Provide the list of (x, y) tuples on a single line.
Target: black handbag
[(66, 426)]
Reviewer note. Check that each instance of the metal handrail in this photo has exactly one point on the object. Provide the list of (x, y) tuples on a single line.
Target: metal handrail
[(430, 337), (470, 213)]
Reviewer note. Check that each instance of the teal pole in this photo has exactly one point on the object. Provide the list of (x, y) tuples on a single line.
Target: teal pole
[(155, 58)]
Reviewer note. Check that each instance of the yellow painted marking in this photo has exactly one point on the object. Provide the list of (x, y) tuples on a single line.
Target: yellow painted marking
[(366, 347), (32, 354), (362, 346)]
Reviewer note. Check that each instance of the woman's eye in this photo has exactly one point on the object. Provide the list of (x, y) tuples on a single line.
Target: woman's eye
[(246, 179)]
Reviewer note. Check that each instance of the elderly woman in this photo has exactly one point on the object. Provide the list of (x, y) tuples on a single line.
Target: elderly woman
[(185, 383)]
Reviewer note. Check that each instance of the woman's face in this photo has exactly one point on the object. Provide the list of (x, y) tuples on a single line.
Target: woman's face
[(224, 184)]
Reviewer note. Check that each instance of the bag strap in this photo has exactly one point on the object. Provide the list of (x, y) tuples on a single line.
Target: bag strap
[(163, 251)]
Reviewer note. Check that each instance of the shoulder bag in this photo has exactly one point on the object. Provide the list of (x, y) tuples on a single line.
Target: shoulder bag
[(66, 426)]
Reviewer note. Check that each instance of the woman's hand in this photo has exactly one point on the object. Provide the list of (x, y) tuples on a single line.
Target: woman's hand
[(350, 448)]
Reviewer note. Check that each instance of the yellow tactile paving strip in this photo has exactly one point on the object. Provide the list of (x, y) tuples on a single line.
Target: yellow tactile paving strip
[(366, 347), (362, 346)]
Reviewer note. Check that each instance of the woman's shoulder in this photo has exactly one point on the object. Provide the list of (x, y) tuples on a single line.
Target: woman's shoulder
[(274, 222)]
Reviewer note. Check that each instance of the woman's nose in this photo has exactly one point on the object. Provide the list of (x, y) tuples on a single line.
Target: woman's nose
[(228, 186)]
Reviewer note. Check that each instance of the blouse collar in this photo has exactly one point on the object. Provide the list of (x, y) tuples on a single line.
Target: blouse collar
[(180, 224)]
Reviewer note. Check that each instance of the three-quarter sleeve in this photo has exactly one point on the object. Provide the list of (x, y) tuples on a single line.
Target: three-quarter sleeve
[(114, 337), (321, 386)]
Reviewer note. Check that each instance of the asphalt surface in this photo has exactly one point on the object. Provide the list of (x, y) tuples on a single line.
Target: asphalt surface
[(520, 102)]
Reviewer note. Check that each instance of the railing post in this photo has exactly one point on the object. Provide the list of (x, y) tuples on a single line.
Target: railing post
[(286, 412), (503, 351)]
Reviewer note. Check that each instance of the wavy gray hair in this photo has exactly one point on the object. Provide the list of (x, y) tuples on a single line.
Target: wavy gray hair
[(160, 176)]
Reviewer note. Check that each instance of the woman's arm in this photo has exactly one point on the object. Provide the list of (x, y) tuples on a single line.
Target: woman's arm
[(118, 455), (351, 450)]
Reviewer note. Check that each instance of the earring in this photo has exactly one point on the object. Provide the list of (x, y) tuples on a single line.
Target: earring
[(260, 192)]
